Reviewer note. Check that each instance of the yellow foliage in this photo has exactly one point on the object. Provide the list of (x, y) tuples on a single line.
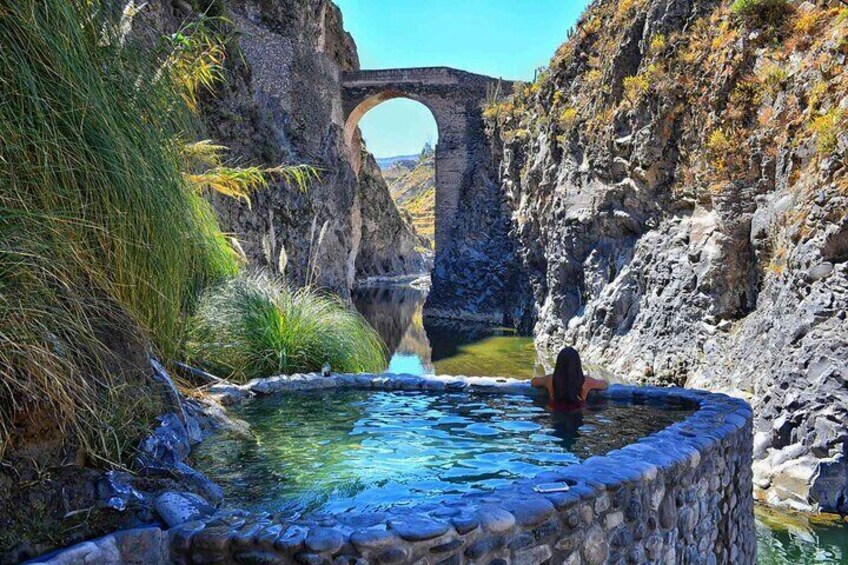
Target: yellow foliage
[(567, 118), (817, 92), (196, 60), (807, 22), (827, 128), (772, 76), (624, 9), (557, 98), (636, 86), (594, 76), (745, 96), (720, 147), (499, 110), (592, 26), (236, 182), (723, 36), (658, 42)]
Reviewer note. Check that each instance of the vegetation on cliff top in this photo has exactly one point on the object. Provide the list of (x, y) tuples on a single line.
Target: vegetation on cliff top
[(742, 82)]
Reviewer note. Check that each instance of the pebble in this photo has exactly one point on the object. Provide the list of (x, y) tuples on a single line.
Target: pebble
[(496, 520), (418, 529)]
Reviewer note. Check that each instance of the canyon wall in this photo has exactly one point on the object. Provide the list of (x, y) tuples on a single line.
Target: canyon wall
[(678, 183), (280, 102)]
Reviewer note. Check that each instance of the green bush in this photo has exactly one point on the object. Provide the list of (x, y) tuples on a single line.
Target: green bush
[(254, 326), (762, 13), (102, 242)]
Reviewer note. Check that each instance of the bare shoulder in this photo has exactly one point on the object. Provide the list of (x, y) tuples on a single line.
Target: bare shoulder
[(540, 381), (597, 384)]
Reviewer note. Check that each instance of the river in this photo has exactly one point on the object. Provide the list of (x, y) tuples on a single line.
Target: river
[(420, 346)]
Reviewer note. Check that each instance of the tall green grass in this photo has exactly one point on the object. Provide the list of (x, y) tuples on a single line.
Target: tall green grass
[(254, 326), (102, 241)]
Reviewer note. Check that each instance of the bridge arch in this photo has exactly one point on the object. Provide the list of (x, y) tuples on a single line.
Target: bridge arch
[(455, 98), (352, 120)]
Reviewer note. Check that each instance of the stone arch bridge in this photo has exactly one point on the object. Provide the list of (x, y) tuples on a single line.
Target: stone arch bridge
[(454, 97), (469, 217)]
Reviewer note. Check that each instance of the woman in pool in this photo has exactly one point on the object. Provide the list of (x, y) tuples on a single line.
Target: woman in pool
[(567, 386)]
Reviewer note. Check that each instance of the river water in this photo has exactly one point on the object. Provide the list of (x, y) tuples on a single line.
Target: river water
[(419, 347), (426, 347)]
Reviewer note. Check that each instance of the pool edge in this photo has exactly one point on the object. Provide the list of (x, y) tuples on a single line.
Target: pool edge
[(683, 494)]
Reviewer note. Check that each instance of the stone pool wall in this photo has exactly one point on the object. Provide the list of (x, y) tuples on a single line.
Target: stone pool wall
[(683, 495)]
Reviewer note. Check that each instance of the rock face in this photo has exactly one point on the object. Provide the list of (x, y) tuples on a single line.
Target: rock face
[(389, 244), (281, 103), (678, 186)]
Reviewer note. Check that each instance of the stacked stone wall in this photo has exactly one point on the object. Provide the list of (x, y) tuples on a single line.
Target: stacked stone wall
[(682, 495)]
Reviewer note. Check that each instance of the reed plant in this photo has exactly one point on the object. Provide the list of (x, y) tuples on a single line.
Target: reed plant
[(102, 241), (254, 326)]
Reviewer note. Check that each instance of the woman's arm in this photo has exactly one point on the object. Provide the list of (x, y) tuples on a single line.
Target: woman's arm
[(598, 384), (542, 382)]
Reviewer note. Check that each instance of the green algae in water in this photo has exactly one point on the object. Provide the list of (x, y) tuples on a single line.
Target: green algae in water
[(788, 538), (498, 356), (341, 450)]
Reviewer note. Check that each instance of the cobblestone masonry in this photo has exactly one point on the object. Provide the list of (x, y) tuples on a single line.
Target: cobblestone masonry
[(683, 495)]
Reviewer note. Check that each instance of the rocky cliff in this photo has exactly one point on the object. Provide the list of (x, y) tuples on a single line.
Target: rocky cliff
[(412, 184), (280, 102), (678, 179), (389, 243)]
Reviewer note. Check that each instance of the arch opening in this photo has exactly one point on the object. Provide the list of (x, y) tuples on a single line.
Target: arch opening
[(402, 133), (383, 101)]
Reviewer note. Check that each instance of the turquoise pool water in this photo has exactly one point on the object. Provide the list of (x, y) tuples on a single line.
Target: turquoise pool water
[(365, 450)]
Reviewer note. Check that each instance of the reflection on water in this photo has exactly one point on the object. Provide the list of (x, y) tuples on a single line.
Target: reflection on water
[(788, 538), (364, 450), (425, 347)]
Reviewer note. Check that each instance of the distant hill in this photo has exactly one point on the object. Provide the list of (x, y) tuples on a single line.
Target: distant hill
[(386, 162), (412, 184)]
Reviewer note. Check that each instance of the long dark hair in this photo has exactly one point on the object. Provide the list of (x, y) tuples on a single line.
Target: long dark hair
[(568, 376)]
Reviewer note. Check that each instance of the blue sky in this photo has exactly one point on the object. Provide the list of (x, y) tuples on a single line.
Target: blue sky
[(500, 38)]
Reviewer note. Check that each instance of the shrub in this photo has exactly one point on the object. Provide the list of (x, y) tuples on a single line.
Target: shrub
[(817, 93), (254, 326), (624, 9), (721, 148), (594, 76), (773, 77), (637, 85), (762, 13), (807, 22), (567, 118), (827, 128), (102, 243), (658, 43)]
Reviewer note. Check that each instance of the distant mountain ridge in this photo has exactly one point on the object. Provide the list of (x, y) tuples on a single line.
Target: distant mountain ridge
[(386, 162), (412, 185)]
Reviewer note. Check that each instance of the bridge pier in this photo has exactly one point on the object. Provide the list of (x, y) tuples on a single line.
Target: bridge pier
[(475, 266)]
